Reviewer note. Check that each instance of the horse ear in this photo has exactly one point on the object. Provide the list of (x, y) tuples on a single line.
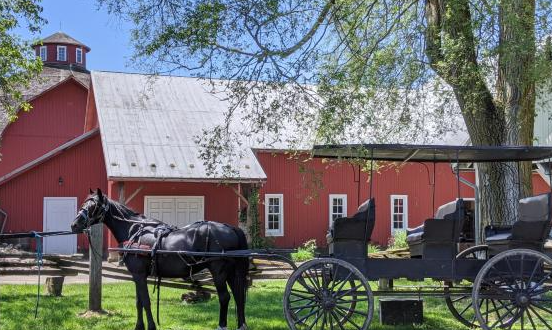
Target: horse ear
[(91, 191), (100, 195)]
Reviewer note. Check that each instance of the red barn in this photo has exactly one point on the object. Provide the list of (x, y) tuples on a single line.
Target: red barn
[(134, 137)]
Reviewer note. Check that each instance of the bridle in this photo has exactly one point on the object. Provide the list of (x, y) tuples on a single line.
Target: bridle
[(99, 218)]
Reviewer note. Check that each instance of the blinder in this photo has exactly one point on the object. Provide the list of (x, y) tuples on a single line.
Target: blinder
[(98, 218)]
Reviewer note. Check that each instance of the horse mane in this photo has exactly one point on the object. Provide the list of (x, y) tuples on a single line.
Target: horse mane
[(124, 210)]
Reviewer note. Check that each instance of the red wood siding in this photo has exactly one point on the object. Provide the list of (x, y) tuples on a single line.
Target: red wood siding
[(303, 221), (221, 203), (57, 116), (51, 50), (81, 168)]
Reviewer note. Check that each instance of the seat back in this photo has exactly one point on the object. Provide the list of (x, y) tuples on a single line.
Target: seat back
[(534, 221), (459, 218), (357, 227), (350, 235)]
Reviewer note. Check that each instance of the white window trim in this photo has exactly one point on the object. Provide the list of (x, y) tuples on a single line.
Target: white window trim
[(330, 206), (65, 52), (405, 210), (280, 232), (77, 56), (45, 49)]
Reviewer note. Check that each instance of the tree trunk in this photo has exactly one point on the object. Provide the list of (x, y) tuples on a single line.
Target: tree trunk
[(507, 119)]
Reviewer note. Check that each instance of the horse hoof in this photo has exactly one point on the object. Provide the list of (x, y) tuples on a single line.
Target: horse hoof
[(243, 327), (222, 328)]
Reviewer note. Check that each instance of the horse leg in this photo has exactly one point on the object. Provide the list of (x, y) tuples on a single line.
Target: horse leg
[(139, 310), (219, 277), (238, 291), (142, 288)]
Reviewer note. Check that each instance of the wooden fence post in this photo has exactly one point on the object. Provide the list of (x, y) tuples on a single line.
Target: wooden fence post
[(95, 252)]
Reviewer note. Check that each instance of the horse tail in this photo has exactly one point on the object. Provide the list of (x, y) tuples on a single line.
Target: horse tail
[(242, 264), (241, 272)]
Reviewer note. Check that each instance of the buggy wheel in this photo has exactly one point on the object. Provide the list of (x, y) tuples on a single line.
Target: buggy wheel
[(328, 294), (518, 283), (459, 302), (458, 296)]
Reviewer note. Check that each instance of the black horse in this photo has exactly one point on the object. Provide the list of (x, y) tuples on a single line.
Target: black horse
[(137, 231)]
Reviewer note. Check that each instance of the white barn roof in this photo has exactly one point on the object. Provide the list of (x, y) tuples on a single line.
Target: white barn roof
[(148, 128)]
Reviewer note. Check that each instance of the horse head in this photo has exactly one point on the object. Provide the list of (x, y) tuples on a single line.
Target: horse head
[(91, 212)]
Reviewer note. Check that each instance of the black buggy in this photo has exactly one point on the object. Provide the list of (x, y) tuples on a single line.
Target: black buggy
[(504, 283)]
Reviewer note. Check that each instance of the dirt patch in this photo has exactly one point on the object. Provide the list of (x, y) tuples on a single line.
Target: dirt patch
[(91, 314)]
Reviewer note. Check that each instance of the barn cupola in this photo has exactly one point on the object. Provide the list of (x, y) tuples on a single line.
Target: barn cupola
[(62, 50)]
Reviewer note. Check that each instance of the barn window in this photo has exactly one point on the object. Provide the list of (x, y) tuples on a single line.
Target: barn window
[(78, 55), (274, 215), (62, 53), (399, 212), (43, 53), (338, 207)]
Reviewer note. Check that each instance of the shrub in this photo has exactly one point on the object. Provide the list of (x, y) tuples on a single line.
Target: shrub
[(397, 241), (305, 252)]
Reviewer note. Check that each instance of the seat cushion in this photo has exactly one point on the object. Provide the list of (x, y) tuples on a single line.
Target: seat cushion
[(499, 238), (419, 229), (414, 237)]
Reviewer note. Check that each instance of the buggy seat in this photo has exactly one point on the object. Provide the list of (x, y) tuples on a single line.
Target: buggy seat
[(438, 237), (349, 236), (530, 231)]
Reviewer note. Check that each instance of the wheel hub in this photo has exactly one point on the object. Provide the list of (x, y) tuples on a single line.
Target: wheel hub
[(523, 299), (328, 302)]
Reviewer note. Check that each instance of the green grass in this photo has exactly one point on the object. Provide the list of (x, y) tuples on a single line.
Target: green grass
[(264, 310)]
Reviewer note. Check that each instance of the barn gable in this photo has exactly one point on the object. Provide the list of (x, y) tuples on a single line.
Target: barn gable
[(148, 127)]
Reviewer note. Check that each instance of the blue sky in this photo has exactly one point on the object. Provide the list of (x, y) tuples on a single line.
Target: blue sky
[(108, 37)]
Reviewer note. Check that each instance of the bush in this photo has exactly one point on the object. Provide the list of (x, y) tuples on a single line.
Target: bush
[(397, 241), (305, 252)]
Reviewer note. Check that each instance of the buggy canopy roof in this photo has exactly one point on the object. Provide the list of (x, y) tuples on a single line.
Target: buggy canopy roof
[(433, 153)]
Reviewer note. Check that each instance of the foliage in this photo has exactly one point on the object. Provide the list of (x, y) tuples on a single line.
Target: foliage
[(258, 241), (305, 252), (18, 62), (264, 309), (397, 240), (384, 71), (373, 248)]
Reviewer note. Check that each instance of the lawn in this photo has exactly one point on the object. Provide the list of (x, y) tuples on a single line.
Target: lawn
[(264, 310)]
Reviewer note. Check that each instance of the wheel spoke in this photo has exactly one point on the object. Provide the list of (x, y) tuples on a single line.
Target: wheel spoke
[(341, 300), (458, 299), (306, 316), (301, 299), (542, 308), (348, 319), (344, 281), (540, 317), (353, 311), (304, 307), (531, 319), (353, 289), (541, 282), (533, 272), (318, 315)]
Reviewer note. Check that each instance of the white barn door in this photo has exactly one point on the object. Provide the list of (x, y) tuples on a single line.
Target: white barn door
[(179, 211), (58, 214)]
